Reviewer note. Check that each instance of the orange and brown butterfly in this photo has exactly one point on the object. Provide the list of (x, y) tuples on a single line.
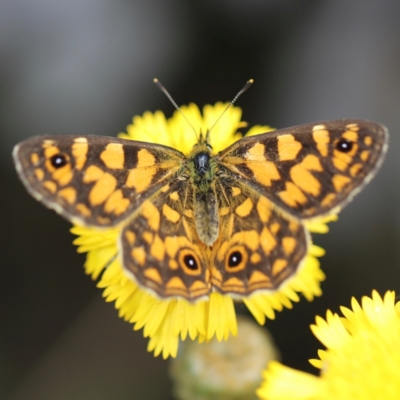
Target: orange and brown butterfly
[(231, 221)]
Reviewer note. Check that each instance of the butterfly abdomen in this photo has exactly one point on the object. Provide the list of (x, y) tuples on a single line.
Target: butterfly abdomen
[(205, 208)]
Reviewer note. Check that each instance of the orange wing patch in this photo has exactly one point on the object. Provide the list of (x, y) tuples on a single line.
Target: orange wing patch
[(288, 147), (116, 203), (113, 156), (321, 137), (50, 186), (68, 194), (103, 188), (303, 178), (292, 196), (35, 159), (265, 172), (80, 148), (39, 173), (170, 214), (340, 181), (244, 209)]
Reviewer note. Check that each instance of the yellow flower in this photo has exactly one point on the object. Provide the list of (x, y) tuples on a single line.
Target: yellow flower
[(167, 321), (362, 359)]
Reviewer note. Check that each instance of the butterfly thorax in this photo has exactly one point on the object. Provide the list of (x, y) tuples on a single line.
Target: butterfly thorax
[(202, 168)]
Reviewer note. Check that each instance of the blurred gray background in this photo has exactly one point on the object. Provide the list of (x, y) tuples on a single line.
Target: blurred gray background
[(86, 67)]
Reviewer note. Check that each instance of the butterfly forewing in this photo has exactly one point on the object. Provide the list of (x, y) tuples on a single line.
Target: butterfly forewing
[(94, 180), (309, 170)]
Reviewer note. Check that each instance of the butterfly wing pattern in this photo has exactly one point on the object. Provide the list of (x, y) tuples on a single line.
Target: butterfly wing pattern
[(254, 197), (259, 247), (160, 246), (93, 180), (310, 170)]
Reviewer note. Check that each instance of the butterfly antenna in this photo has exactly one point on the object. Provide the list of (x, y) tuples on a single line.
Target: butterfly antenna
[(165, 91), (231, 103)]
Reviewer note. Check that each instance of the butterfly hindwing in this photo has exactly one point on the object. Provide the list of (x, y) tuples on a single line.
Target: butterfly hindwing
[(93, 180), (258, 247), (160, 246), (309, 170)]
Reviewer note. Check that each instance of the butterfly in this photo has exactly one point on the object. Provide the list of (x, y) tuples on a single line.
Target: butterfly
[(232, 222)]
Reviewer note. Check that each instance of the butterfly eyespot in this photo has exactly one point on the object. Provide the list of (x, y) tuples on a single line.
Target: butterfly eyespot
[(235, 259), (344, 145), (190, 262), (58, 160)]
